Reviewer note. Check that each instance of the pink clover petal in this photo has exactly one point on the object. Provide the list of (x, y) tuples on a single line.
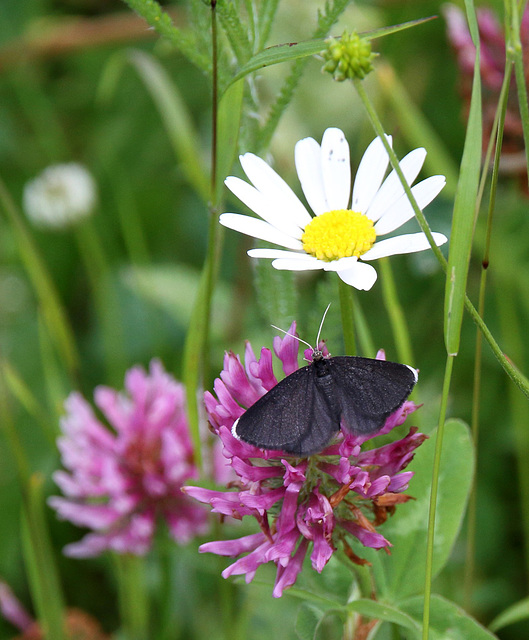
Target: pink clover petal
[(12, 610), (251, 473), (283, 546), (264, 501), (286, 349), (226, 400), (260, 374), (341, 472), (294, 475), (378, 487), (367, 538), (250, 563), (234, 547), (236, 381), (287, 576), (400, 482), (394, 456), (322, 552), (263, 369)]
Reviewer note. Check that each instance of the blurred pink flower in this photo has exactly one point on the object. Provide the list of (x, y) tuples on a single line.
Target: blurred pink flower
[(299, 502), (492, 68), (119, 480)]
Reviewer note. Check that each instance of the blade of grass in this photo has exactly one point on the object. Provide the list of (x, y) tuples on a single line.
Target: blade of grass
[(464, 206), (496, 141), (176, 118), (39, 558), (47, 295)]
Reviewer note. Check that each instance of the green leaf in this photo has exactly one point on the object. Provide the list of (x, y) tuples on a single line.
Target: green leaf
[(407, 530), (307, 622), (447, 620), (464, 211), (383, 611), (515, 613), (228, 126), (293, 50)]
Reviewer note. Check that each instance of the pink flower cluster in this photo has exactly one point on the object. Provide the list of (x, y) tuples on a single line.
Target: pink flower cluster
[(492, 69), (120, 480), (299, 502)]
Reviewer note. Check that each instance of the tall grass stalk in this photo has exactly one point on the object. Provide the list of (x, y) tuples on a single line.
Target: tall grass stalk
[(496, 141), (433, 497), (105, 299)]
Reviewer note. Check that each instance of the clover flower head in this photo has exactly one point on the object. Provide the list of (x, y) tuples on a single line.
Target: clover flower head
[(60, 196), (312, 503), (119, 481), (343, 236)]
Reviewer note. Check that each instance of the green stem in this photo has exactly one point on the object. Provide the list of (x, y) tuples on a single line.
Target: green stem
[(107, 309), (46, 591), (497, 135), (195, 350), (44, 581), (346, 306), (397, 319), (365, 339), (133, 600), (515, 52), (433, 497), (516, 376)]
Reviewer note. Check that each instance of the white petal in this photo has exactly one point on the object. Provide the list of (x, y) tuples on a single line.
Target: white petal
[(276, 253), (392, 188), (407, 243), (309, 264), (268, 182), (308, 165), (370, 174), (340, 264), (360, 276), (402, 211), (336, 169), (263, 206), (258, 229)]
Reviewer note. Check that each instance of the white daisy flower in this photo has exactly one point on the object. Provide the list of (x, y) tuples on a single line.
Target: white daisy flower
[(345, 230), (60, 196)]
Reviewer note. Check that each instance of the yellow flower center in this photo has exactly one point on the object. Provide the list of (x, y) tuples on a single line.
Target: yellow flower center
[(338, 234)]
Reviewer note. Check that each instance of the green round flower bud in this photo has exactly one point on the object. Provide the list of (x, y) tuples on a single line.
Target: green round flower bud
[(348, 57)]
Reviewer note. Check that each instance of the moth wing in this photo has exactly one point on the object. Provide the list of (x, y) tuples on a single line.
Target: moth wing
[(293, 416), (368, 391)]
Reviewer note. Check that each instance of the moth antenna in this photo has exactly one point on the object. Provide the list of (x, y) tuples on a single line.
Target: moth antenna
[(293, 336), (321, 325)]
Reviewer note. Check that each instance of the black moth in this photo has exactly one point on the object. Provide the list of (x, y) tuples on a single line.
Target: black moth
[(304, 411)]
